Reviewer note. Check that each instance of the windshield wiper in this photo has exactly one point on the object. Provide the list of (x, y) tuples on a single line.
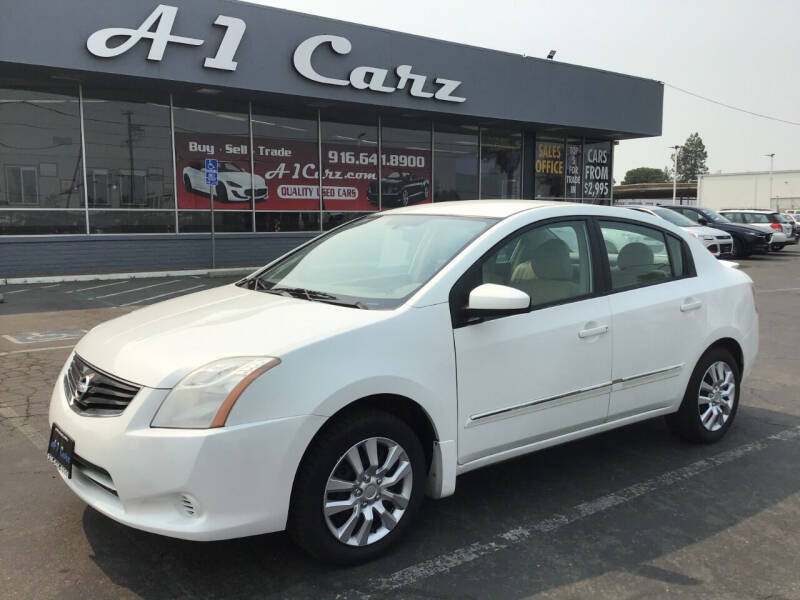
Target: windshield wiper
[(314, 296), (253, 284)]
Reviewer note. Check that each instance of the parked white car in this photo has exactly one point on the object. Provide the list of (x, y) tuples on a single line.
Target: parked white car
[(716, 241), (233, 182), (329, 391)]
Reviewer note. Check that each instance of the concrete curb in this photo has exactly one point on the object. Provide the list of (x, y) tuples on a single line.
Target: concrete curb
[(138, 275)]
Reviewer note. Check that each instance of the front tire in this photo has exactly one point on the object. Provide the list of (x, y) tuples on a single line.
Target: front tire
[(711, 400), (358, 489), (187, 184), (738, 250)]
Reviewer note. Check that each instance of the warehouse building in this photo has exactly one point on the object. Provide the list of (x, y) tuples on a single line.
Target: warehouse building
[(210, 133)]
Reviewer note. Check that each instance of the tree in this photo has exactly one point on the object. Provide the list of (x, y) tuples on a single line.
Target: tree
[(692, 159), (644, 175)]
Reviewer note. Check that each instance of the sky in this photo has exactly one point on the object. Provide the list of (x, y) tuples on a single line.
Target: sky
[(742, 53)]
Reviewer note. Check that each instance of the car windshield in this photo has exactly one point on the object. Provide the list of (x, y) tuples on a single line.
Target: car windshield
[(674, 217), (229, 167), (781, 219), (713, 217), (376, 262)]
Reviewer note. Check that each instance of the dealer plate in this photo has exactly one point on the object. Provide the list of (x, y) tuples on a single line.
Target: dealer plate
[(60, 450)]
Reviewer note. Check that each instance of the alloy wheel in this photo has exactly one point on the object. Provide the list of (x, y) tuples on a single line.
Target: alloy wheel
[(368, 491), (716, 395)]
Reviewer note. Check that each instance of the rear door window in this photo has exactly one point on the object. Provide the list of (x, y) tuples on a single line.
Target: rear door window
[(639, 255)]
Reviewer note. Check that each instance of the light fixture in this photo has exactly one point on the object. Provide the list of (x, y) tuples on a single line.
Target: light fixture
[(207, 91), (551, 54)]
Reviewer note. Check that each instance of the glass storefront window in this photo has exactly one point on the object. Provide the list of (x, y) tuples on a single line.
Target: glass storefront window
[(128, 160), (455, 163), (405, 165), (275, 222), (42, 222), (549, 168), (131, 221), (350, 164), (40, 158), (573, 169), (286, 156), (501, 157), (214, 131), (597, 172)]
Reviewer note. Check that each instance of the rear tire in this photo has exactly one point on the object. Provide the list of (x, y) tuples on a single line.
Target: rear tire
[(711, 400), (373, 505)]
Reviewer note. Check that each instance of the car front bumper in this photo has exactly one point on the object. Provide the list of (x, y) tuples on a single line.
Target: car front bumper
[(195, 484)]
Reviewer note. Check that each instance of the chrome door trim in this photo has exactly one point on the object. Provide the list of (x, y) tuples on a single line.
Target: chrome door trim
[(648, 377), (510, 411)]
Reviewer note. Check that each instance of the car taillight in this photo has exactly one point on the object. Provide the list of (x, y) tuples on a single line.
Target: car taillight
[(776, 226)]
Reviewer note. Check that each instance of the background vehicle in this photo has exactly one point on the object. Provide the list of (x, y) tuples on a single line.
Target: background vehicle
[(442, 338), (233, 185), (794, 221), (766, 220), (718, 242), (746, 240), (399, 189)]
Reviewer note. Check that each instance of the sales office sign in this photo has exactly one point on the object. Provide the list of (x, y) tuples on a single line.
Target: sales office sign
[(157, 28)]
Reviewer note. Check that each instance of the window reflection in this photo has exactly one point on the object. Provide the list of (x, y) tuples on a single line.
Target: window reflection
[(455, 163), (501, 156), (350, 164), (286, 157), (212, 156), (405, 166)]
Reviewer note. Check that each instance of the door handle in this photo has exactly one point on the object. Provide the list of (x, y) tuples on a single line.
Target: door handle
[(593, 331), (691, 305)]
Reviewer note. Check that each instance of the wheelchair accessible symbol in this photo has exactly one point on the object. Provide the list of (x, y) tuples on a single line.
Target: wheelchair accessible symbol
[(211, 171)]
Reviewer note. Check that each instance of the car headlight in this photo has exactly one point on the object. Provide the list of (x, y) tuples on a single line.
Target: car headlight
[(693, 234), (708, 238), (233, 184), (204, 398)]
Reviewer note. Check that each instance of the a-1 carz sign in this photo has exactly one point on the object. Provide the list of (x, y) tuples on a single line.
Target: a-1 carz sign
[(158, 28)]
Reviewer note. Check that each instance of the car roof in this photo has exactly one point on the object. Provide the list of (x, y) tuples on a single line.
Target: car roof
[(750, 210), (498, 209)]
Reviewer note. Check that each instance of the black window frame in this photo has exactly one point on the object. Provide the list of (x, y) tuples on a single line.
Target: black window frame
[(459, 293), (598, 256), (687, 260)]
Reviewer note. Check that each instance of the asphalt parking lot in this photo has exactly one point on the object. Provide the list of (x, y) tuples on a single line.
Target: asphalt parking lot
[(627, 514)]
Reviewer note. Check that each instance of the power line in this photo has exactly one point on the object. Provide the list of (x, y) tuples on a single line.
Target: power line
[(749, 112)]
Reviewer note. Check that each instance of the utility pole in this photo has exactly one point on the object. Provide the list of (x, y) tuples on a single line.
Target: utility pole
[(771, 164), (677, 149)]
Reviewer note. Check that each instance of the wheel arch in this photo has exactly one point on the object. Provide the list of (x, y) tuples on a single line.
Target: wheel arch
[(732, 346)]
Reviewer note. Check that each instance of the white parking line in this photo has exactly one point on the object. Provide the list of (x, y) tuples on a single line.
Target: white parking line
[(17, 291), (94, 287), (44, 287), (445, 562), (162, 295), (144, 287), (36, 350)]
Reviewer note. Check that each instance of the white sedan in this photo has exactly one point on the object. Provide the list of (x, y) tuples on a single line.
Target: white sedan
[(718, 242), (328, 392)]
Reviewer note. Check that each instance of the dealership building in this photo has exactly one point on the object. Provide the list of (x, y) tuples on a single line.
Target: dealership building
[(210, 133)]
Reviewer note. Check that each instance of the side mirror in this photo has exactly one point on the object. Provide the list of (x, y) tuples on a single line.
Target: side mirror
[(702, 221), (492, 299)]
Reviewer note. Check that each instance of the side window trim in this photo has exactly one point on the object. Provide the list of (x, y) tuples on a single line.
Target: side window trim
[(688, 261), (474, 270)]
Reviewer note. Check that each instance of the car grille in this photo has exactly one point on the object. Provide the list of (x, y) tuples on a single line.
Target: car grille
[(723, 237), (258, 191), (725, 248), (93, 393)]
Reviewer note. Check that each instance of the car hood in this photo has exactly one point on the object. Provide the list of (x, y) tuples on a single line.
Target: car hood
[(702, 230), (157, 345)]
